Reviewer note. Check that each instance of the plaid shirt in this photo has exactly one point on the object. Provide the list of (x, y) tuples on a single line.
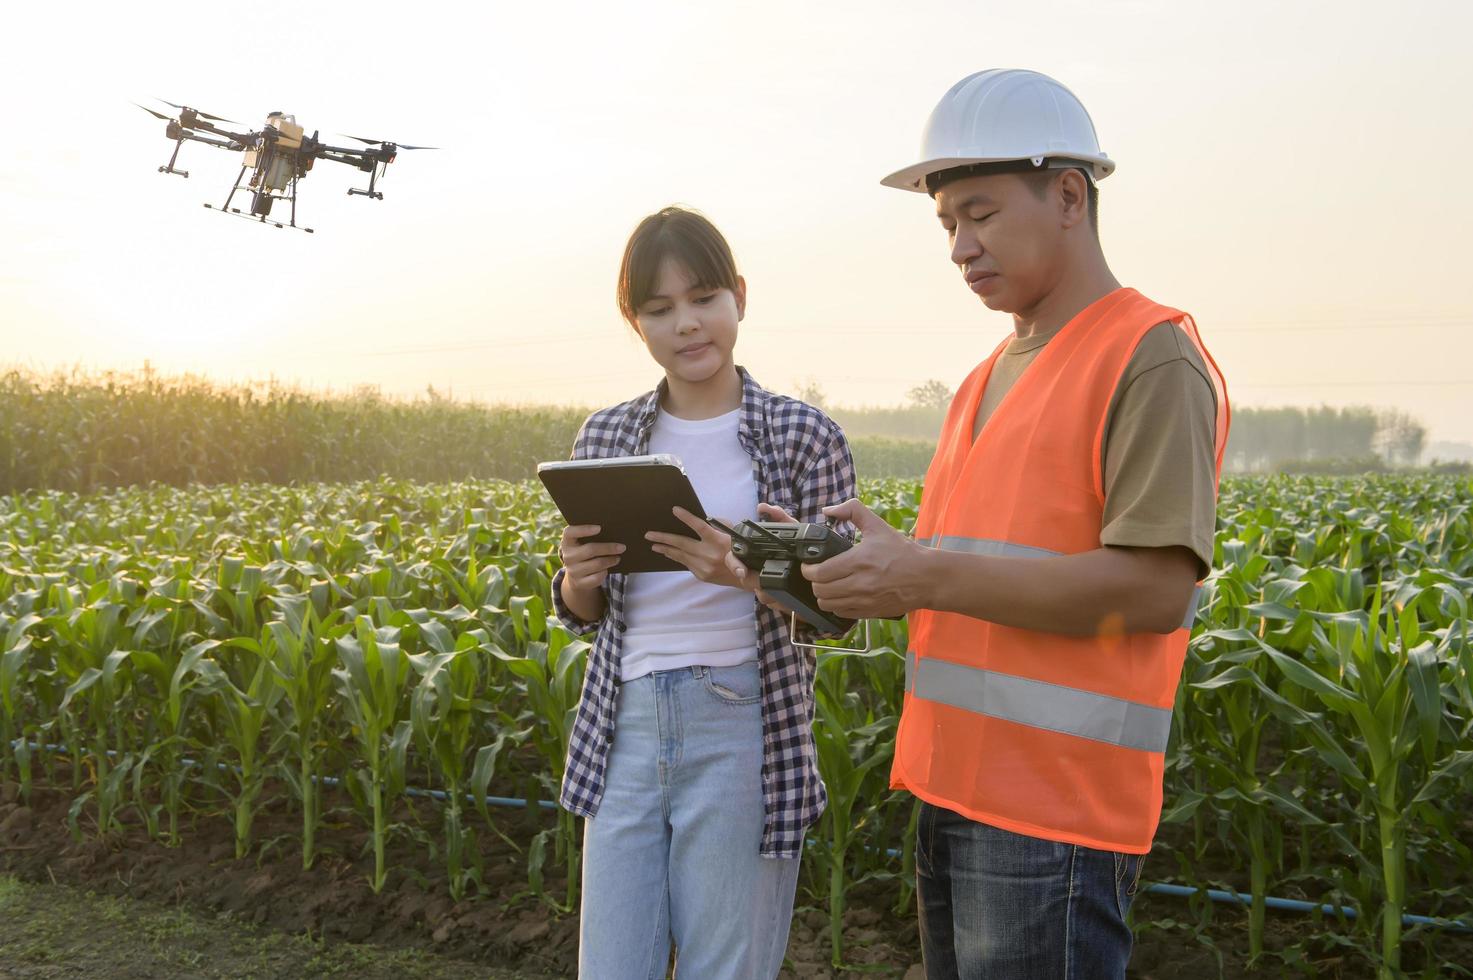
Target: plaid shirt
[(802, 464)]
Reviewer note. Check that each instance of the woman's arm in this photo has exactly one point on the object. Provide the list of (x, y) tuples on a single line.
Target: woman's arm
[(579, 607), (828, 481)]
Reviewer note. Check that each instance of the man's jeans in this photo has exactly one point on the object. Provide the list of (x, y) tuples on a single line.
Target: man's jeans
[(1001, 906), (672, 852)]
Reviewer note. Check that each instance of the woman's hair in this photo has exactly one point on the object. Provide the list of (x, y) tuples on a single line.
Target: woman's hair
[(683, 235)]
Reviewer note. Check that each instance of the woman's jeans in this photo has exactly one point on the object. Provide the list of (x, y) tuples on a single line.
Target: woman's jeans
[(1002, 906), (672, 852)]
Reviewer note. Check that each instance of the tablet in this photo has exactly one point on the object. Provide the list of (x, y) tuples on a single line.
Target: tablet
[(625, 496)]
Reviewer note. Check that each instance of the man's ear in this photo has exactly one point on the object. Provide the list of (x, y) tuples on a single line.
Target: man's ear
[(1072, 188), (740, 292)]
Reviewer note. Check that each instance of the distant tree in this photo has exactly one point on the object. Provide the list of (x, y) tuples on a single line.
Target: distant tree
[(809, 391), (932, 394), (1263, 438), (1399, 438), (1339, 433)]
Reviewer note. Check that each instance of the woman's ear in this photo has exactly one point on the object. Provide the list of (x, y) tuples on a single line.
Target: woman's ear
[(740, 292), (634, 325)]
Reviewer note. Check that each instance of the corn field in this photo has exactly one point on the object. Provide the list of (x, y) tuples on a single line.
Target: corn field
[(87, 432), (177, 654)]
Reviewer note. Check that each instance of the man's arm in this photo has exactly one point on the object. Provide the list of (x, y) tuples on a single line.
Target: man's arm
[(1106, 591), (1160, 490), (1109, 590)]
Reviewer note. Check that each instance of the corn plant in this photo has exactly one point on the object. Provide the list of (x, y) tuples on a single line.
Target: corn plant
[(98, 677), (243, 707), (1222, 715), (1375, 671), (302, 659), (551, 678), (855, 746), (1230, 699), (371, 681), (445, 706), (14, 672)]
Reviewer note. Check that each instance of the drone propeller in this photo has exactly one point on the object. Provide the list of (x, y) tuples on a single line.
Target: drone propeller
[(401, 146), (198, 112), (158, 115)]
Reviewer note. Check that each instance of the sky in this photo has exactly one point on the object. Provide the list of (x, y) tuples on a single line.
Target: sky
[(1291, 173)]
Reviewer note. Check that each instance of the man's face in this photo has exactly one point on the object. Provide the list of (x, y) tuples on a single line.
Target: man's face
[(1005, 238)]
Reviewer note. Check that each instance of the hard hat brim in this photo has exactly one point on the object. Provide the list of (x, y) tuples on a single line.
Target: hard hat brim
[(913, 178)]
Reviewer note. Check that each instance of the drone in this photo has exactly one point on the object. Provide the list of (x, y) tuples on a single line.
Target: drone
[(278, 155)]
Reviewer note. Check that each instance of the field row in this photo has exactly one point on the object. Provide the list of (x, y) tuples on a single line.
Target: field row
[(211, 647)]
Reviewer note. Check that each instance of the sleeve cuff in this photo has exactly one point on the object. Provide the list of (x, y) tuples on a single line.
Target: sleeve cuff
[(1161, 537), (566, 616)]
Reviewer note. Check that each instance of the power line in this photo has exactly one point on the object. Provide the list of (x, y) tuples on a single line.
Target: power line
[(552, 382), (1422, 322), (1354, 384), (1210, 328), (1396, 383), (913, 330), (474, 345), (1330, 327)]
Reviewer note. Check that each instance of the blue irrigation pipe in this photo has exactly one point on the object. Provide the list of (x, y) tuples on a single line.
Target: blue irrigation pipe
[(440, 794), (1158, 888), (1295, 905)]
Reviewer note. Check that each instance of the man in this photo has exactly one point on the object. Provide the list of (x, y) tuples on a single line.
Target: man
[(1068, 515)]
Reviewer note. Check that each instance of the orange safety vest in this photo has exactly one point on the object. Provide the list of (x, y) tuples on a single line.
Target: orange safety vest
[(1051, 736)]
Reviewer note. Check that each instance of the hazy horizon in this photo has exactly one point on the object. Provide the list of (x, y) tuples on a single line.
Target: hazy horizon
[(1278, 178)]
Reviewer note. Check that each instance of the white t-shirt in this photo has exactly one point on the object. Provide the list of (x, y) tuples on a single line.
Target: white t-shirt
[(673, 619)]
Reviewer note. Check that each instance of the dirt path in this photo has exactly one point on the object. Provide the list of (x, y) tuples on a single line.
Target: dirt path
[(129, 907), (62, 931)]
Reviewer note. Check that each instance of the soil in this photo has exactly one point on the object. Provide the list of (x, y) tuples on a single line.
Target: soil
[(60, 931), (503, 928)]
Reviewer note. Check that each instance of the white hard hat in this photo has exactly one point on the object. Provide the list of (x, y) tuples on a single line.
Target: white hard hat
[(1006, 116)]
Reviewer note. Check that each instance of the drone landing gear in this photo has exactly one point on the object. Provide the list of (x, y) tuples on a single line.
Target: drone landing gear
[(261, 201), (261, 219), (168, 168), (370, 193)]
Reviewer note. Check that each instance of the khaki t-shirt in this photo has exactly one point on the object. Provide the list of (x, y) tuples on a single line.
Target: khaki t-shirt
[(1159, 456)]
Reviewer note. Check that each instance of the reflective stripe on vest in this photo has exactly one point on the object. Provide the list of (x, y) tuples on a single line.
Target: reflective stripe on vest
[(1006, 549), (1037, 704)]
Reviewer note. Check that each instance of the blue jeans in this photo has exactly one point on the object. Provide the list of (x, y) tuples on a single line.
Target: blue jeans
[(672, 851), (999, 905)]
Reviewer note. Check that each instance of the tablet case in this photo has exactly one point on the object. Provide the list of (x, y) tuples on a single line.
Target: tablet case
[(626, 496)]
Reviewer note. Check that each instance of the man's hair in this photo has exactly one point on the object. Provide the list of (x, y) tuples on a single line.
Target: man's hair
[(686, 236)]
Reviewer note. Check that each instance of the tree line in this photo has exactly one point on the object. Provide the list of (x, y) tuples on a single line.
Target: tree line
[(82, 431)]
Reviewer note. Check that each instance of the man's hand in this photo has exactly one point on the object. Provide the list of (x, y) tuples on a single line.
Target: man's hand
[(705, 555), (881, 576)]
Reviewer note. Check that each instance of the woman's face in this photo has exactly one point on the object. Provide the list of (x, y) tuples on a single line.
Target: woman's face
[(690, 329)]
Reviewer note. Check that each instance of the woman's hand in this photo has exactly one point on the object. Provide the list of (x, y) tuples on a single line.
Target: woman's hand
[(705, 555), (746, 578), (587, 564)]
